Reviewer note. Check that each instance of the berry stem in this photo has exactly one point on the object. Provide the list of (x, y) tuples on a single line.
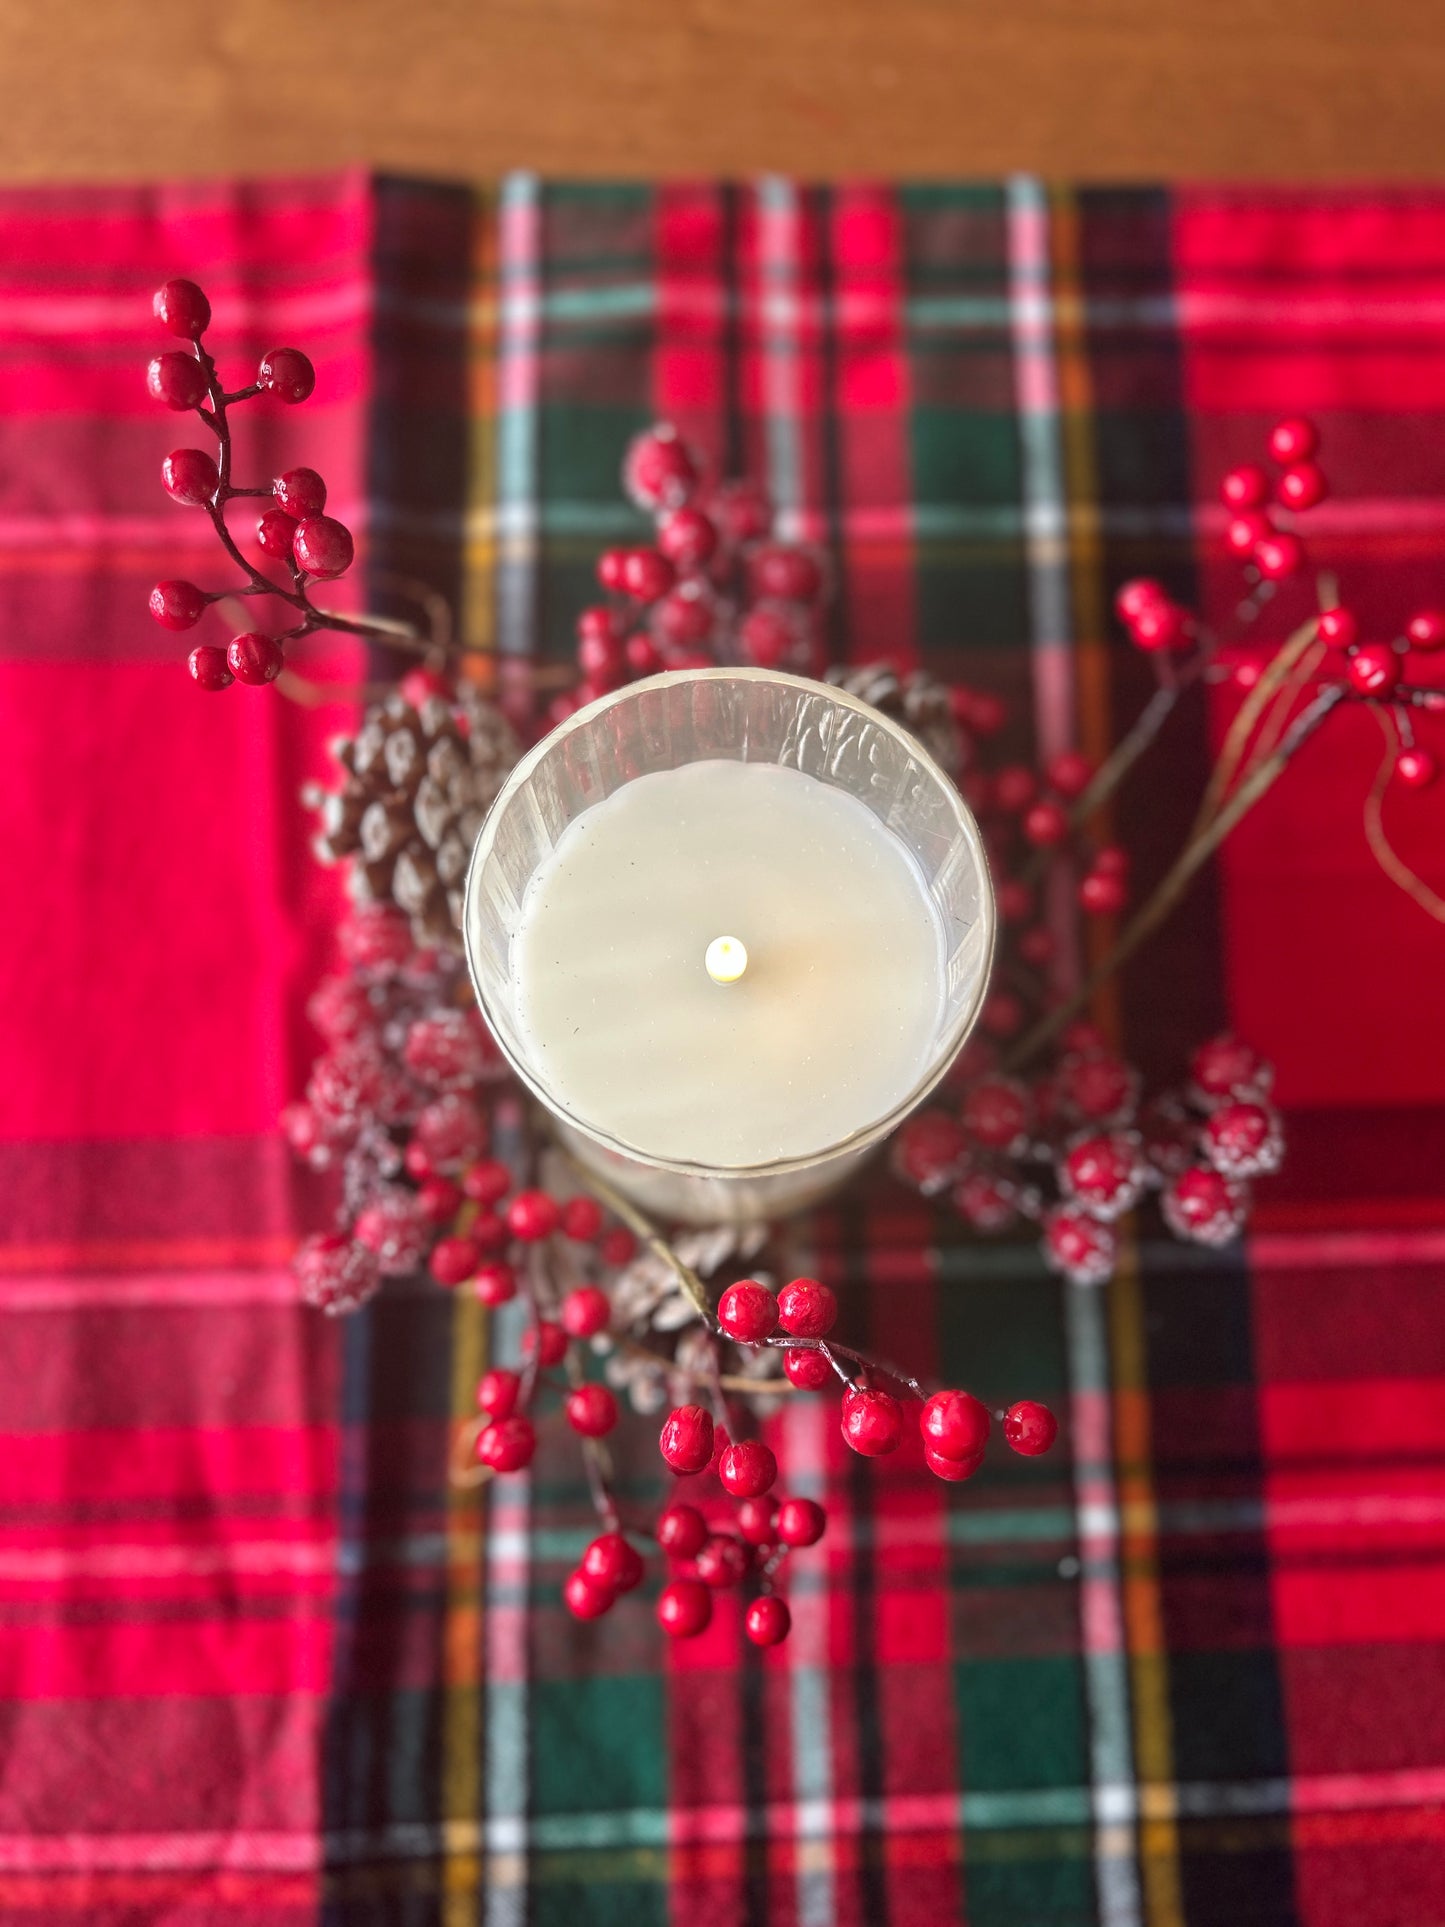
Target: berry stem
[(693, 1288)]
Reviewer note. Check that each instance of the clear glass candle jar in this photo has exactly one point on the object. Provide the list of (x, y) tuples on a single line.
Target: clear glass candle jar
[(741, 715)]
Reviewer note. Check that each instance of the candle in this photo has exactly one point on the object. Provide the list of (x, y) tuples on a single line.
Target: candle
[(729, 964), (729, 926)]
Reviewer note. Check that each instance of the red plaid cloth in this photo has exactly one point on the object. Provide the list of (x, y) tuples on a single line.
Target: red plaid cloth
[(258, 1663)]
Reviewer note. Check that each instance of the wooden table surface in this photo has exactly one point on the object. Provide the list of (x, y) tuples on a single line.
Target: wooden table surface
[(1074, 88)]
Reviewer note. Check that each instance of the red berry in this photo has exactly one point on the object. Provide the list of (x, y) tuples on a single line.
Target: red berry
[(954, 1470), (642, 655), (1204, 1206), (1373, 669), (1102, 895), (617, 1246), (586, 1311), (548, 1340), (497, 1392), (276, 534), (453, 1259), (1243, 1139), (682, 1531), (1302, 486), (800, 1522), (1096, 1086), (659, 470), (1338, 628), (685, 618), (686, 1440), (807, 1308), (495, 1282), (208, 667), (872, 1422), (487, 1182), (1294, 439), (585, 1598), (287, 374), (1112, 860), (747, 1469), (1069, 773), (1003, 1014), (189, 476), (507, 1444), (1244, 487), (177, 605), (684, 1607), (1104, 1173), (1246, 532), (532, 1216), (600, 653), (747, 1312), (806, 1368), (591, 1411), (182, 309), (176, 379), (1136, 596), (755, 1521), (1426, 630), (581, 1219), (1416, 768), (930, 1150), (1078, 1246), (767, 1621), (1015, 900), (1160, 625), (1015, 787), (1228, 1067), (777, 571), (1278, 556), (395, 1227), (323, 547), (723, 1561), (646, 575), (769, 636), (254, 659), (448, 1132), (688, 538), (300, 492), (986, 1202), (996, 1112), (1029, 1427), (1046, 824), (741, 511), (335, 1273), (613, 1561), (955, 1424)]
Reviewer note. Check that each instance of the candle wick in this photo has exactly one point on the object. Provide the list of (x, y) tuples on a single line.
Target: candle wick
[(726, 960)]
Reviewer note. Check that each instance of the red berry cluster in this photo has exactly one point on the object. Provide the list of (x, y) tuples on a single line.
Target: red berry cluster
[(1073, 1149)]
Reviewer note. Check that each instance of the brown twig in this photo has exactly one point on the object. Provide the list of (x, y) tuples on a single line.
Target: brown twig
[(1384, 852)]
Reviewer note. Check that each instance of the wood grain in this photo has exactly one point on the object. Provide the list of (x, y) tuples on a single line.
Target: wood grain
[(1092, 89)]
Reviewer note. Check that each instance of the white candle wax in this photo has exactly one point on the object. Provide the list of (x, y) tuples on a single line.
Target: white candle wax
[(836, 1012)]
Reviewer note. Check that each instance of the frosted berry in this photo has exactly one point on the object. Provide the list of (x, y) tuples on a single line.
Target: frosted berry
[(1339, 628), (497, 1392), (1204, 1206), (1046, 824), (1294, 439), (686, 1439), (806, 1368), (335, 1273), (806, 1308), (1244, 533), (177, 605), (287, 374), (682, 1531), (684, 1607), (375, 936), (419, 684), (276, 534), (800, 1522), (755, 1521), (1069, 772), (955, 1424), (1136, 596), (445, 1050), (323, 547), (986, 1202), (1278, 556), (1244, 1140), (585, 1598), (591, 1411), (954, 1470), (930, 1150), (1096, 1087), (448, 1132), (453, 1259), (1416, 768), (1227, 1067), (507, 1445), (767, 1621), (207, 665), (646, 575), (254, 658), (659, 470), (780, 572), (1302, 486), (1426, 630), (548, 1340), (495, 1282), (1079, 1247), (581, 1219), (617, 1246), (684, 618), (613, 1561), (532, 1216), (748, 1312), (1373, 670), (394, 1226), (741, 510), (586, 1311), (189, 476), (996, 1112), (182, 309), (1244, 487), (1029, 1427), (688, 539), (747, 1469), (872, 1422), (176, 379), (300, 492), (487, 1182), (723, 1561), (1104, 1173)]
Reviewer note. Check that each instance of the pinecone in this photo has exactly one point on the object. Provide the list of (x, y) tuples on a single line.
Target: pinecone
[(918, 701), (418, 782)]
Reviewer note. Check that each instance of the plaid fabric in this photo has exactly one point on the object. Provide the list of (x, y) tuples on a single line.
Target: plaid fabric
[(259, 1664)]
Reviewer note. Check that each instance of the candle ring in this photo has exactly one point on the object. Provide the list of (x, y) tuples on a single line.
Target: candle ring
[(726, 960)]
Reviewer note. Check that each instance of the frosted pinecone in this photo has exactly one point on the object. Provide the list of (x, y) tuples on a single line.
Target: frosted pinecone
[(919, 701), (418, 781)]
